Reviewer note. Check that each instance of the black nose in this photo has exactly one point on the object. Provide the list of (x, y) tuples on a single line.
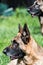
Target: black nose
[(4, 51)]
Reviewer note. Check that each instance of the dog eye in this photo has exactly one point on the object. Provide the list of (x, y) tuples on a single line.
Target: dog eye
[(16, 44)]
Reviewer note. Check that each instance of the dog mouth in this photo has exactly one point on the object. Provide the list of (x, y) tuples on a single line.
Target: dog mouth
[(19, 56), (13, 57), (14, 53), (35, 13)]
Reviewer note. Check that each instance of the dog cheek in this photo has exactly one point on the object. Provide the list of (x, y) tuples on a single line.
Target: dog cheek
[(28, 49), (23, 47)]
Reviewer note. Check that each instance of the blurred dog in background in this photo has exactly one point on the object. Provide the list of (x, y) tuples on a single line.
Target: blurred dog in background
[(37, 10)]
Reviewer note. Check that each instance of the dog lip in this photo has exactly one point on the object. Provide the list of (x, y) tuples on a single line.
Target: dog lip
[(14, 57)]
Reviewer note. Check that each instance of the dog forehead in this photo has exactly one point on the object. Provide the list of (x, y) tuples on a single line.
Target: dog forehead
[(16, 37), (19, 34), (19, 40)]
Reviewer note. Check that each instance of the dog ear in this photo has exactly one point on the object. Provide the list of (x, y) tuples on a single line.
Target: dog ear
[(39, 1), (20, 28), (26, 30), (25, 34)]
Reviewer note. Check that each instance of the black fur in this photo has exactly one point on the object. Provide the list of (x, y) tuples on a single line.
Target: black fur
[(14, 52)]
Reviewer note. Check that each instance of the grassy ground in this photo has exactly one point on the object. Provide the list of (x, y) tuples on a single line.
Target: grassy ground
[(9, 28)]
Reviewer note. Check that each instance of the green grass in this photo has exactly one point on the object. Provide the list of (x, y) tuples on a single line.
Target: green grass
[(9, 29)]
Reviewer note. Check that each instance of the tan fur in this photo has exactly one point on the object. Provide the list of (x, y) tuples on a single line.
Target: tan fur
[(15, 62), (34, 53), (40, 2)]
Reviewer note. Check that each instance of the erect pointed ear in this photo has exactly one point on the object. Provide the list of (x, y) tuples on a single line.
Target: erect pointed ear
[(26, 33), (39, 1), (26, 30), (20, 28)]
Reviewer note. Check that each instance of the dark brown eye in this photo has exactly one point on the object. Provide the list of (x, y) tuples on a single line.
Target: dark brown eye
[(16, 44)]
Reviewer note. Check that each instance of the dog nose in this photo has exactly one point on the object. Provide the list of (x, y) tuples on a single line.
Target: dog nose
[(4, 51), (28, 9)]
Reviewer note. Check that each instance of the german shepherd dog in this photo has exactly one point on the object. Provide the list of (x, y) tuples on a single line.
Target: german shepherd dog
[(25, 49), (37, 10)]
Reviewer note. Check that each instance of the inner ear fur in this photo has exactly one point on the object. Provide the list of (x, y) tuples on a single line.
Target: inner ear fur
[(26, 30), (25, 34)]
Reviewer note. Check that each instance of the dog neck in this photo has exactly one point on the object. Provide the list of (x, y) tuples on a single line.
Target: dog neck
[(33, 52), (34, 49)]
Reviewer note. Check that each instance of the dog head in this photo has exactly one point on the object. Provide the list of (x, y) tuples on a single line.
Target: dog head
[(36, 9), (14, 51)]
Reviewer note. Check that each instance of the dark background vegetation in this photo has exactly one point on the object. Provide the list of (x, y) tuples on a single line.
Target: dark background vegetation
[(18, 3)]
